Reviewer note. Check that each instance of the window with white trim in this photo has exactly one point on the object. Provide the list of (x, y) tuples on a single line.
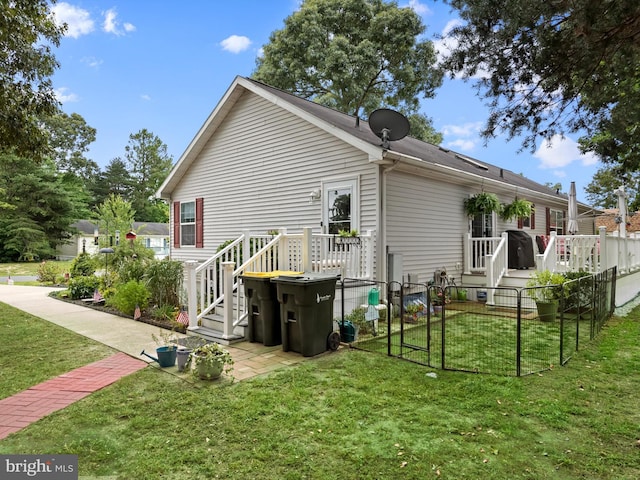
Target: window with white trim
[(556, 221), (340, 206), (188, 223)]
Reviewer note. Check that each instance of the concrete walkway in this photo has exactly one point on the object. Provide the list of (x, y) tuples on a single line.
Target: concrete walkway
[(123, 334), (131, 337)]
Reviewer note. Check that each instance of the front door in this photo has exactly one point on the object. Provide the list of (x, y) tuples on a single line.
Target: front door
[(340, 206)]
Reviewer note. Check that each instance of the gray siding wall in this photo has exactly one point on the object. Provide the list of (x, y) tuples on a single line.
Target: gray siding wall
[(425, 223), (258, 169)]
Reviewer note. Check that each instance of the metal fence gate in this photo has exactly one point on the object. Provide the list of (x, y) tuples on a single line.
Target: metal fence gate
[(452, 327)]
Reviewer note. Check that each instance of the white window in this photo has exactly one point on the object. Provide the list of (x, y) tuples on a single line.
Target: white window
[(340, 206), (188, 223), (556, 221)]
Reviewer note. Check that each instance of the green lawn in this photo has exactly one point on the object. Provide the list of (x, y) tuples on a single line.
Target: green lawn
[(351, 414), (31, 269)]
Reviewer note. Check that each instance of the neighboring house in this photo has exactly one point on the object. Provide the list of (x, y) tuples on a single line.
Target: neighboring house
[(152, 235), (610, 219), (265, 159)]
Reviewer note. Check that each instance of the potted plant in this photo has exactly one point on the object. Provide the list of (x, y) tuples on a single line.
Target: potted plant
[(517, 209), (347, 237), (482, 203), (546, 288), (209, 361), (167, 348), (439, 300)]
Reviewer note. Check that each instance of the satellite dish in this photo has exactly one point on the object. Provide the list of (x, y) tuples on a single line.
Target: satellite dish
[(389, 125)]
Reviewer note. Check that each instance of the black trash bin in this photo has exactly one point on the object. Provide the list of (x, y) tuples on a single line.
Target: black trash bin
[(306, 313), (520, 254), (263, 307)]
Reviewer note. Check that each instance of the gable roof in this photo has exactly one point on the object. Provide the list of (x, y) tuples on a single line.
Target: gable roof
[(357, 133)]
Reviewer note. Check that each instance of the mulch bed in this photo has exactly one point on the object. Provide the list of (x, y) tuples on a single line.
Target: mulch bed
[(144, 318)]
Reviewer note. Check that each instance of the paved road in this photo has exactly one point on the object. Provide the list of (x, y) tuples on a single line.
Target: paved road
[(19, 278)]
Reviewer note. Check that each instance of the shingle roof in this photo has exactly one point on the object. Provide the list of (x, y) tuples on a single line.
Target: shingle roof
[(413, 147)]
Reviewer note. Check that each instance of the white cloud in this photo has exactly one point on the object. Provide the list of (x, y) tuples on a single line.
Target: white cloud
[(78, 21), (560, 173), (64, 97), (465, 130), (112, 25), (443, 47), (91, 61), (144, 96), (463, 144), (465, 136), (235, 43), (420, 8), (561, 152)]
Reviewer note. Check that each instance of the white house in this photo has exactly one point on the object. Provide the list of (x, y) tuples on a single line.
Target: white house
[(153, 235), (265, 159)]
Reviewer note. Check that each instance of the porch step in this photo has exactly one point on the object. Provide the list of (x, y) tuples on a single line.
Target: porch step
[(211, 328)]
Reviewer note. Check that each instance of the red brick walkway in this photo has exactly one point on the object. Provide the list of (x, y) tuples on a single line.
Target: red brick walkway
[(24, 408)]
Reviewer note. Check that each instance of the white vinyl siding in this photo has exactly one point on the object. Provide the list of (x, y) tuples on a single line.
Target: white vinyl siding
[(425, 223), (258, 169)]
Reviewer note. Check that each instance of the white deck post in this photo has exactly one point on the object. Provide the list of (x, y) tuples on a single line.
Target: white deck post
[(284, 262), (602, 231), (466, 251), (307, 248), (192, 293), (227, 313), (368, 273), (246, 247)]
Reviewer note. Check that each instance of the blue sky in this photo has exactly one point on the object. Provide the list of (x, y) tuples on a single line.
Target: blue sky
[(163, 66)]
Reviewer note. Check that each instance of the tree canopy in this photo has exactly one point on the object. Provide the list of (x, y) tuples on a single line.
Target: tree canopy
[(354, 56), (601, 190), (149, 164), (554, 67), (27, 34)]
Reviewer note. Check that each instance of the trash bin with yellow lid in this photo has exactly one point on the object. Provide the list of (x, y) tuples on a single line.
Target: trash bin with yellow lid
[(263, 307), (306, 313)]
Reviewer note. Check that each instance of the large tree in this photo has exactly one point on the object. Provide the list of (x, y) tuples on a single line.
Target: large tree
[(114, 180), (552, 67), (149, 164), (354, 56), (69, 140), (38, 206), (601, 190), (27, 34)]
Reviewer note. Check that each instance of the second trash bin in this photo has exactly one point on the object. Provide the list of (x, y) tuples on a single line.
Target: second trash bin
[(263, 307), (306, 312)]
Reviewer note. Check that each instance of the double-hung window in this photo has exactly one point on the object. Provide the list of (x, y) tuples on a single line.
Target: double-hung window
[(188, 224)]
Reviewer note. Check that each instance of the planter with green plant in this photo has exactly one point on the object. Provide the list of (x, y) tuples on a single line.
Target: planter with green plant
[(546, 288), (481, 203), (517, 209), (209, 361), (347, 237)]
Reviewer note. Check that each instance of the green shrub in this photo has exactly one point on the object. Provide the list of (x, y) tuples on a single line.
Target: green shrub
[(131, 269), (129, 295), (166, 313), (83, 266), (164, 280), (47, 272), (83, 287)]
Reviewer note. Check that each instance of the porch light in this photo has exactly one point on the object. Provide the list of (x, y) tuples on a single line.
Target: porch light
[(314, 195)]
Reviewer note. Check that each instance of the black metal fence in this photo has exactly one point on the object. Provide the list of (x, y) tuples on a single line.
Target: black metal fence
[(456, 328)]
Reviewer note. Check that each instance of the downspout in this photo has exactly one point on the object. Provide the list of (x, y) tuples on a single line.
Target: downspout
[(383, 247)]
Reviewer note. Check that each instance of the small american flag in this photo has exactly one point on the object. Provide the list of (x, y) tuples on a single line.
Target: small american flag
[(97, 297), (137, 313), (183, 317)]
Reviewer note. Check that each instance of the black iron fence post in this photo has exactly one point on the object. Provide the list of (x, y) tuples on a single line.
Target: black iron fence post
[(518, 332)]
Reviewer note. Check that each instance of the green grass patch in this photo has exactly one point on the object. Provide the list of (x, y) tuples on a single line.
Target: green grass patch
[(482, 343), (352, 414), (33, 350), (30, 268)]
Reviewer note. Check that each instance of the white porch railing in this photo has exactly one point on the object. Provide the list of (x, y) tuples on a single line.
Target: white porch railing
[(497, 267), (214, 282), (590, 253), (476, 250)]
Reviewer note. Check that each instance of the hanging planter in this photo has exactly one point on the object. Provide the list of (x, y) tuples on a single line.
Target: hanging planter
[(517, 209), (482, 203)]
